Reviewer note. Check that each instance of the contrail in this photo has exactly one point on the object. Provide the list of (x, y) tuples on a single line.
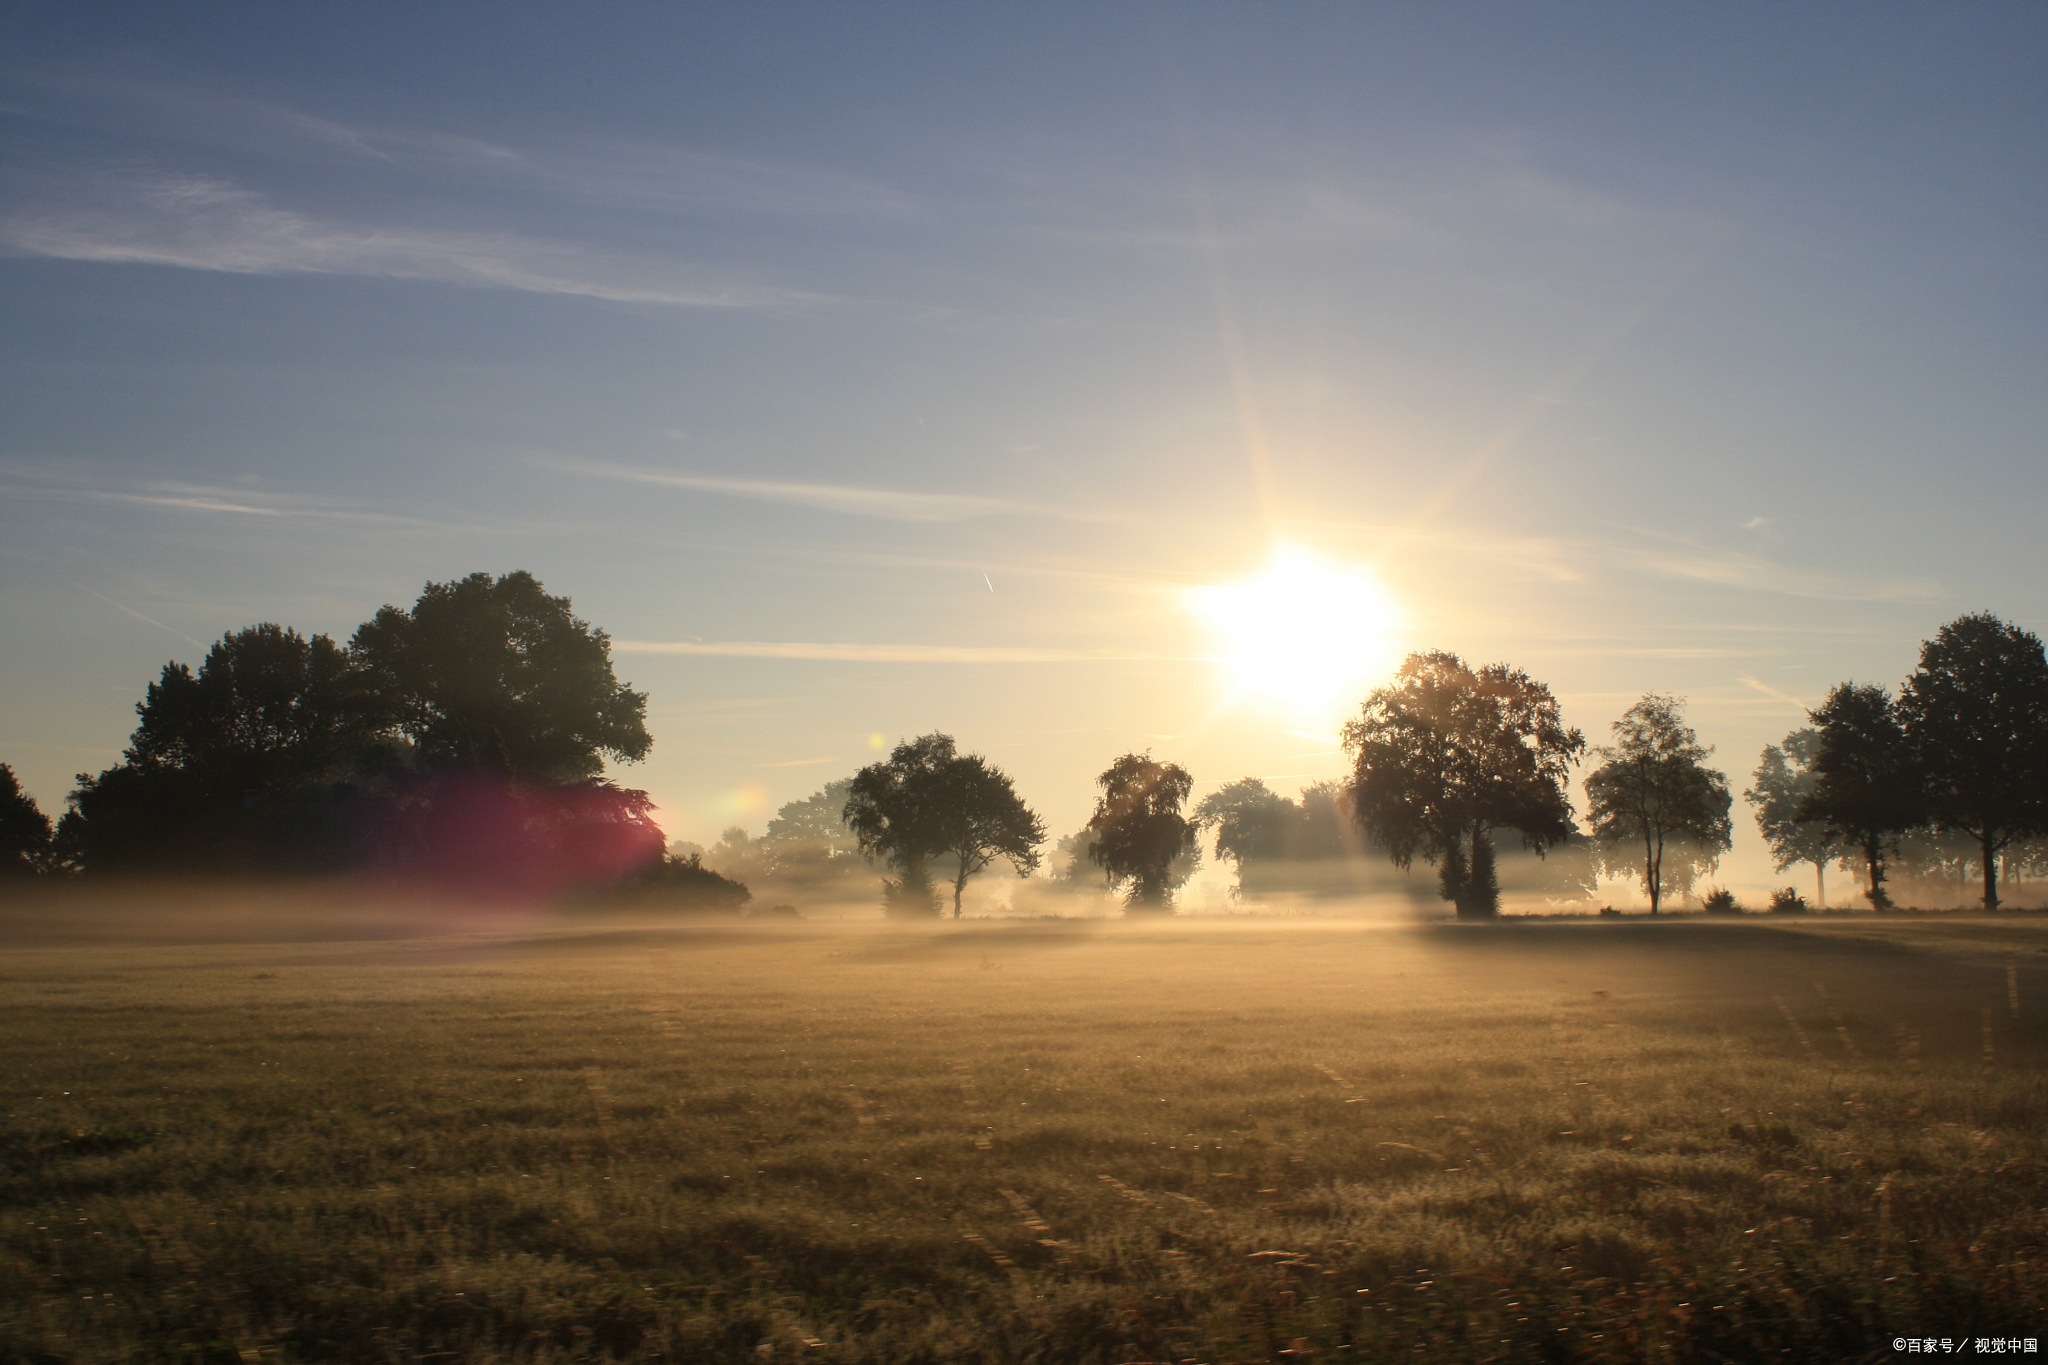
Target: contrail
[(198, 644)]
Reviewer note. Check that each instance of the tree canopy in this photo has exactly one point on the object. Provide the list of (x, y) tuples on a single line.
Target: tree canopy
[(1652, 790), (214, 774), (1865, 790), (24, 830), (495, 673), (465, 737), (1975, 714), (1139, 830), (929, 801), (1446, 754)]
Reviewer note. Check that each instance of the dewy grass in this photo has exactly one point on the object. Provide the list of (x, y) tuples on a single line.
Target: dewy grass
[(1236, 1141)]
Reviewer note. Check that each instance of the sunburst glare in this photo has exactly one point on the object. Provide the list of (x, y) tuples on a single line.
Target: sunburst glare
[(1305, 633)]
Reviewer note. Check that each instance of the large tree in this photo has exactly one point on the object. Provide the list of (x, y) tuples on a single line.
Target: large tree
[(494, 673), (1976, 715), (24, 830), (930, 801), (1652, 791), (1866, 788), (1784, 781), (1139, 830), (1446, 754)]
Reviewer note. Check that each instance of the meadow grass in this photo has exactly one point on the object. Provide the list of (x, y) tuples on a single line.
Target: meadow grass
[(1189, 1140)]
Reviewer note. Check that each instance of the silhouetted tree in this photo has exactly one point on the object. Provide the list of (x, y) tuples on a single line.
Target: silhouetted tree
[(1784, 782), (1445, 755), (930, 801), (1139, 830), (892, 809), (496, 674), (1976, 715), (1866, 791), (1251, 820), (981, 819), (24, 830), (215, 775), (1651, 791)]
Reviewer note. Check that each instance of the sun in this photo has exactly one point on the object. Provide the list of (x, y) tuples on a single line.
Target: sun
[(1305, 633)]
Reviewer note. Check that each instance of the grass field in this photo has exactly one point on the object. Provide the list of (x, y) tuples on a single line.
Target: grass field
[(1088, 1141)]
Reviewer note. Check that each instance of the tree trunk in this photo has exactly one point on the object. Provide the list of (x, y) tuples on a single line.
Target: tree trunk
[(1820, 877), (1653, 865), (959, 885), (1991, 851), (1873, 853)]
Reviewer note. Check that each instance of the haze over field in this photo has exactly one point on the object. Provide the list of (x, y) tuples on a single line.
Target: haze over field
[(1074, 381)]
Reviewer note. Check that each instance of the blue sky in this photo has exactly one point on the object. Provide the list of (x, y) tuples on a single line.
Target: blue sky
[(872, 369)]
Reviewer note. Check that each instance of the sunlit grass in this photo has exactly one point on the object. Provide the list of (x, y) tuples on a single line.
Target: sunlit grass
[(1025, 1141)]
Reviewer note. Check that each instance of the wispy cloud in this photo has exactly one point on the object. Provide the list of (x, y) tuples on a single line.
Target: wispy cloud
[(1672, 557), (184, 497), (626, 173), (202, 223), (887, 504), (871, 654)]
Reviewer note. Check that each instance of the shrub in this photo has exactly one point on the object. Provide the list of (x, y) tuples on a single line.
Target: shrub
[(1721, 901), (1786, 901)]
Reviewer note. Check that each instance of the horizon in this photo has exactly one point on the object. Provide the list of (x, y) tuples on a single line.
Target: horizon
[(900, 370)]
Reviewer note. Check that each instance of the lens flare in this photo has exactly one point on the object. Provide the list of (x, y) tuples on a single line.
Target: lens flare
[(1305, 633)]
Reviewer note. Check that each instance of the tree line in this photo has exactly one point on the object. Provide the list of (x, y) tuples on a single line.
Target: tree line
[(467, 737), (463, 739)]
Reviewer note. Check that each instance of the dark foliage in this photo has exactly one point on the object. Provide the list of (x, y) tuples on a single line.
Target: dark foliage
[(1975, 714), (24, 830), (1139, 830), (1652, 791), (929, 801), (1447, 754), (1866, 788), (495, 673), (686, 884)]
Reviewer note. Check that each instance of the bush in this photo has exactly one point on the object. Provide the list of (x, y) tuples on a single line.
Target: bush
[(1786, 901), (686, 884), (1721, 901)]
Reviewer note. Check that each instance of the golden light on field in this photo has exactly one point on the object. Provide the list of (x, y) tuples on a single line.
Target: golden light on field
[(1306, 633)]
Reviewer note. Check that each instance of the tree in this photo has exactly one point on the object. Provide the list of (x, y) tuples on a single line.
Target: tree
[(1865, 791), (1651, 791), (982, 819), (1254, 825), (1784, 781), (1976, 715), (24, 830), (216, 773), (930, 801), (1139, 830), (1445, 755), (496, 674), (809, 840)]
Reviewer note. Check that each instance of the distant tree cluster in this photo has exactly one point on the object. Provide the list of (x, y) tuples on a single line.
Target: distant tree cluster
[(1951, 770), (463, 739)]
